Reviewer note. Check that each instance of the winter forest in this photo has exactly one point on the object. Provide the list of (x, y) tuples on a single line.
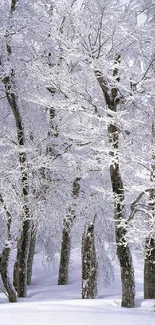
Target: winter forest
[(77, 142)]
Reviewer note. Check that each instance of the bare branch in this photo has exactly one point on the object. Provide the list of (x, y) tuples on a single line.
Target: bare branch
[(133, 205)]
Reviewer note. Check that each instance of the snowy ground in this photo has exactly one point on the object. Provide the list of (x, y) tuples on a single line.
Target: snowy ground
[(50, 304)]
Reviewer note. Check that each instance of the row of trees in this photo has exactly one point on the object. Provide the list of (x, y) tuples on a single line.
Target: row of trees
[(77, 138)]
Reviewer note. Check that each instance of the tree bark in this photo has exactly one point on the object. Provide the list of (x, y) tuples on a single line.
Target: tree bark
[(123, 250), (31, 256), (4, 258), (4, 261), (26, 226), (15, 274), (65, 252), (66, 237), (12, 98), (149, 269), (21, 264), (23, 259), (89, 264), (149, 263), (127, 270)]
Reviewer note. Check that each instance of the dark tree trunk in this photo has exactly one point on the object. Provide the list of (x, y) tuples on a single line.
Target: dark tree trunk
[(15, 274), (123, 251), (4, 258), (31, 256), (66, 237), (23, 258), (26, 227), (65, 252), (149, 269), (149, 263), (127, 270), (20, 272), (89, 264), (4, 261), (12, 98)]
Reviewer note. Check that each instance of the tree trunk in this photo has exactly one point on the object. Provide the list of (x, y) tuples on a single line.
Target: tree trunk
[(123, 251), (23, 253), (12, 98), (127, 270), (89, 264), (149, 263), (66, 237), (65, 252), (31, 256), (149, 269), (4, 258), (15, 274), (4, 261), (26, 226)]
